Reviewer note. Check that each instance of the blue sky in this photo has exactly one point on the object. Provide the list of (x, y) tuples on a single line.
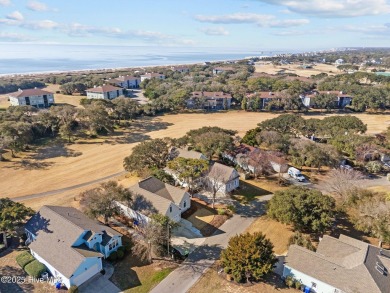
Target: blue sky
[(223, 24)]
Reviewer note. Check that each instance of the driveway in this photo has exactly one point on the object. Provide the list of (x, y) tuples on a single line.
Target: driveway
[(184, 277), (100, 283)]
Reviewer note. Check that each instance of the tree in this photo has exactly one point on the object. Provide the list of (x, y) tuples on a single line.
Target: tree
[(250, 137), (285, 124), (260, 162), (244, 104), (12, 214), (96, 118), (125, 108), (15, 135), (373, 215), (101, 201), (342, 125), (306, 209), (213, 143), (248, 257), (299, 239), (374, 167), (152, 154), (67, 120), (215, 181), (326, 101), (188, 169), (343, 183)]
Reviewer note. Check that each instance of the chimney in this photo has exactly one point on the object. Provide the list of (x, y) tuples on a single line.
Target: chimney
[(19, 90)]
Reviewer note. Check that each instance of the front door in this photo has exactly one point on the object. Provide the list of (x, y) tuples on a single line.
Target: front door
[(45, 101)]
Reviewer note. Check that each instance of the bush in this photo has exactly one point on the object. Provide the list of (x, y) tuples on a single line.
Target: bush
[(289, 281), (231, 208), (221, 212), (35, 269), (120, 254), (301, 240), (73, 289), (374, 167), (128, 247), (113, 256), (297, 285), (122, 249), (24, 258)]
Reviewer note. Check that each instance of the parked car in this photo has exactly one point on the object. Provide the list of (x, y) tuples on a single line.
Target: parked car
[(346, 167), (296, 174)]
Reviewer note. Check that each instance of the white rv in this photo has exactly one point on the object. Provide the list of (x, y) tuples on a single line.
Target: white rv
[(296, 174)]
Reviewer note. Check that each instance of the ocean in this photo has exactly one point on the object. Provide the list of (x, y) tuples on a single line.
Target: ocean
[(28, 58)]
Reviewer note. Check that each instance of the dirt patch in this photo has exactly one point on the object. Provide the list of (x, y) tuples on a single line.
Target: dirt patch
[(199, 215), (213, 226), (296, 69), (215, 283)]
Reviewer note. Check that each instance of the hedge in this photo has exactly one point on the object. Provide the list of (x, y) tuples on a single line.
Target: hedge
[(35, 269), (24, 258), (120, 254), (113, 256)]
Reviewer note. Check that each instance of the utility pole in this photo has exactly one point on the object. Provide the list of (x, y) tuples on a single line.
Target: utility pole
[(168, 238)]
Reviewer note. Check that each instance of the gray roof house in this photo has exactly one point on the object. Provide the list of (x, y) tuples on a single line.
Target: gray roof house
[(166, 199), (69, 244), (344, 265), (224, 178)]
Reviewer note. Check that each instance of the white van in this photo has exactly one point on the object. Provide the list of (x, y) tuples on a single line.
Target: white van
[(296, 174)]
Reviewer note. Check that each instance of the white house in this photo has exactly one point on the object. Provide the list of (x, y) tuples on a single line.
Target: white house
[(152, 75), (209, 100), (104, 92), (126, 81), (31, 97), (69, 244), (224, 178), (339, 61), (158, 197), (341, 99), (343, 265)]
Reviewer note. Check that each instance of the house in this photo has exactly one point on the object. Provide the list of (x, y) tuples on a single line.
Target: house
[(69, 244), (265, 98), (104, 92), (219, 70), (339, 61), (31, 97), (181, 69), (343, 265), (187, 154), (209, 101), (164, 198), (224, 178), (126, 81), (342, 99), (152, 75)]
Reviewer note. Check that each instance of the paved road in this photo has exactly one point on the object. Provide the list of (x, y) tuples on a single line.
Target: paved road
[(184, 277), (57, 191)]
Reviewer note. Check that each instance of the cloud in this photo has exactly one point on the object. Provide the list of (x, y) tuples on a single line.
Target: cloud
[(5, 2), (214, 31), (334, 8), (37, 6), (16, 15), (376, 29), (262, 20), (14, 37)]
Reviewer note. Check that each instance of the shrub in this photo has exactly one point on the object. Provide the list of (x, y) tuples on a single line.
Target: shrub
[(120, 254), (289, 281), (231, 208), (374, 167), (122, 249), (35, 269), (24, 258), (297, 285), (301, 240), (128, 247), (113, 256), (221, 212), (73, 289)]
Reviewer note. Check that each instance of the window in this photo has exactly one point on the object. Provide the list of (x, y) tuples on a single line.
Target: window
[(185, 204), (170, 209)]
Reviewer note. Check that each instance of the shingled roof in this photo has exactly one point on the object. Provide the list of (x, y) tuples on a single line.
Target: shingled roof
[(221, 172), (345, 263), (103, 89), (29, 92), (57, 229)]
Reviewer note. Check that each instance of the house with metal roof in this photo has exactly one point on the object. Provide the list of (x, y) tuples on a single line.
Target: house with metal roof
[(340, 265), (158, 197), (31, 97), (70, 244)]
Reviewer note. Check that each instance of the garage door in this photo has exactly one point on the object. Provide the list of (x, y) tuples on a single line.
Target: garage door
[(86, 275)]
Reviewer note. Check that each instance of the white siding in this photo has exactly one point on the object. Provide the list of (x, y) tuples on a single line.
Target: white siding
[(36, 101), (320, 287)]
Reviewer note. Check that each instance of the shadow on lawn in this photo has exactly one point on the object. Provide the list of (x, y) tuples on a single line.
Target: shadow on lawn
[(248, 192)]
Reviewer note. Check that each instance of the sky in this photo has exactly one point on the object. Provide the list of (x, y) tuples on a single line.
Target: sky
[(194, 24)]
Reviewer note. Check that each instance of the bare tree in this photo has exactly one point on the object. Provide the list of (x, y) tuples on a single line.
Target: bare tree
[(343, 182), (216, 180), (260, 162)]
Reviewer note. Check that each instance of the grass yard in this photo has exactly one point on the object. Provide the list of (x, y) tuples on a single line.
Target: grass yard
[(134, 276), (55, 167), (278, 233), (249, 191), (200, 215), (211, 282)]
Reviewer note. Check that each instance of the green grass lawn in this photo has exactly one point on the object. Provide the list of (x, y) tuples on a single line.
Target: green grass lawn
[(248, 192)]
